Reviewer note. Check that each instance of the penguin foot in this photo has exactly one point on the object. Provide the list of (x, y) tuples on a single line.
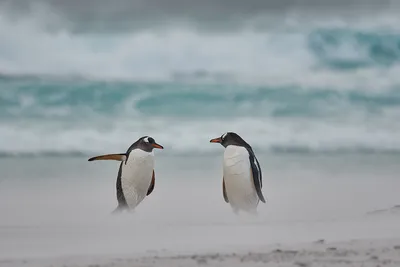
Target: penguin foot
[(117, 210), (236, 211), (253, 213)]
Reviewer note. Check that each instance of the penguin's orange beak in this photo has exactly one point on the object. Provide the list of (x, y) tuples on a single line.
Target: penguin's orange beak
[(155, 145), (216, 140)]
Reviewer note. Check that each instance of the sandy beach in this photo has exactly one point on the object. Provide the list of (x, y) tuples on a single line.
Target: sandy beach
[(320, 212), (319, 253), (367, 252), (353, 252)]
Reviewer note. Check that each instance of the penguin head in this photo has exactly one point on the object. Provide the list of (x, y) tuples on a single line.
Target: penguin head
[(230, 138), (147, 143)]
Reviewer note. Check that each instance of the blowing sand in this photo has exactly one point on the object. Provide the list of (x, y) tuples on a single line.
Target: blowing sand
[(323, 213), (373, 252)]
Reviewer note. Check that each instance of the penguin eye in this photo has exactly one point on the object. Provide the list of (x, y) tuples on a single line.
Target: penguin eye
[(223, 136)]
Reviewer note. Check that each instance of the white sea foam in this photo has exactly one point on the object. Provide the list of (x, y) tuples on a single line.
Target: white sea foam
[(277, 56), (187, 136)]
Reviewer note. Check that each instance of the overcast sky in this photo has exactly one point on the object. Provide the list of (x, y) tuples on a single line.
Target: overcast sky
[(111, 15)]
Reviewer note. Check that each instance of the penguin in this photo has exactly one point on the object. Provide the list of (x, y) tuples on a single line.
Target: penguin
[(242, 175), (136, 176)]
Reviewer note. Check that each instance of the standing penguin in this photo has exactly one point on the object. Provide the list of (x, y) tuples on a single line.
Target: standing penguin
[(242, 177), (136, 176)]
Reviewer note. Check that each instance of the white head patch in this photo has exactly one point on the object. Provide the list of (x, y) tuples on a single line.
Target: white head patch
[(146, 139), (224, 135)]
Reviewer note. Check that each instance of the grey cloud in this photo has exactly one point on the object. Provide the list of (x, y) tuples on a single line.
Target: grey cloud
[(124, 15)]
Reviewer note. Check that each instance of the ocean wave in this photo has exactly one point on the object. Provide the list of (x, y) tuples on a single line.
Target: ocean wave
[(81, 117), (308, 88), (345, 48), (71, 100), (277, 150), (279, 55), (191, 135)]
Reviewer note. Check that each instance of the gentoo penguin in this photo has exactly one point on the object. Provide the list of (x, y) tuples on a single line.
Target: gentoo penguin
[(136, 176), (242, 177)]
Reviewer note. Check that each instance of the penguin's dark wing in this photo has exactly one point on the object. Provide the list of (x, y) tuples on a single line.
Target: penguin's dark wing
[(152, 184), (257, 174), (120, 195), (118, 157), (224, 190)]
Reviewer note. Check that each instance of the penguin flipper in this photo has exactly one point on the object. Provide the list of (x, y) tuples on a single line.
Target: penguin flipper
[(120, 195), (117, 157), (257, 176), (152, 184), (224, 191)]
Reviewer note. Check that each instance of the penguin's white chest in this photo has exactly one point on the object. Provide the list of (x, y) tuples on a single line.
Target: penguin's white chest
[(136, 176), (238, 178)]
